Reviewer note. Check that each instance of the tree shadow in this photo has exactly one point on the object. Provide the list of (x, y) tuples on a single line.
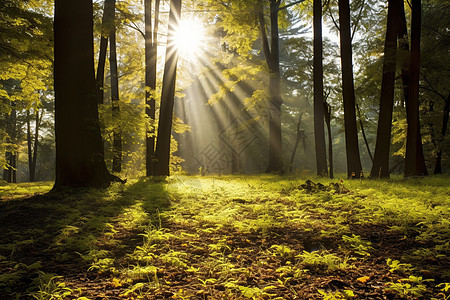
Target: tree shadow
[(57, 231)]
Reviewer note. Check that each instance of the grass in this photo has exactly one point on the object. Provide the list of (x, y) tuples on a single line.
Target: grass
[(228, 237)]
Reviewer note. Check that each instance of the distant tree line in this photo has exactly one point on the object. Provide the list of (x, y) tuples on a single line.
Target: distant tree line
[(111, 115)]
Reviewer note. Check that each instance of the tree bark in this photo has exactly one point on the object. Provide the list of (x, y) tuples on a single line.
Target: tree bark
[(107, 25), (351, 133), (79, 147), (151, 54), (380, 167), (414, 161), (117, 134), (319, 130), (168, 94)]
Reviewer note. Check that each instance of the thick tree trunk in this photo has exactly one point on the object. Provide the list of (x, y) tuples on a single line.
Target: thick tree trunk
[(79, 147), (107, 25), (438, 165), (151, 54), (414, 161), (117, 134), (168, 94), (351, 132), (380, 167), (275, 100), (319, 131)]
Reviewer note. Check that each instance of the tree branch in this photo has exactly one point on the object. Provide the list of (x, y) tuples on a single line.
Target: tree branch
[(11, 51), (334, 21), (290, 4), (134, 26), (432, 89), (358, 19)]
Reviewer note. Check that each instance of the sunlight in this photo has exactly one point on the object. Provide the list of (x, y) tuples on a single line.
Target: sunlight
[(190, 38)]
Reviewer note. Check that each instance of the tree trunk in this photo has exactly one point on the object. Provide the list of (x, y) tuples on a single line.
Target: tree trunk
[(327, 112), (30, 148), (36, 142), (14, 159), (438, 165), (32, 145), (380, 167), (414, 161), (151, 56), (319, 131), (7, 171), (403, 50), (351, 133), (10, 173), (168, 94), (363, 132), (79, 147), (117, 135), (107, 25), (272, 55), (275, 146), (300, 134)]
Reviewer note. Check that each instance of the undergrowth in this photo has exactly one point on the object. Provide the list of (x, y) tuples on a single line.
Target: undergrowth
[(228, 237)]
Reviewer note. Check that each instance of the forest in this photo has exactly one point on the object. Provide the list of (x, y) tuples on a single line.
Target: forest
[(232, 149)]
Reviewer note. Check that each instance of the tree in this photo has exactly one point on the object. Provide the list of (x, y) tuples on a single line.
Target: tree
[(380, 167), (117, 135), (107, 27), (403, 51), (162, 153), (151, 56), (434, 86), (10, 172), (319, 131), (327, 113), (25, 64), (354, 167), (414, 160), (445, 117), (272, 55), (33, 142), (79, 147)]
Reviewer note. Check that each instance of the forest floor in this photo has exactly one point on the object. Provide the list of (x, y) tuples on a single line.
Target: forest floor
[(228, 237)]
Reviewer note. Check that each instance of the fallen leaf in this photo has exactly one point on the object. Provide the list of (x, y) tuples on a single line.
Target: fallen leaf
[(363, 279)]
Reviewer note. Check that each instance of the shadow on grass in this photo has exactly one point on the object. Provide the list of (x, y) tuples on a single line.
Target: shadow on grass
[(55, 232)]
